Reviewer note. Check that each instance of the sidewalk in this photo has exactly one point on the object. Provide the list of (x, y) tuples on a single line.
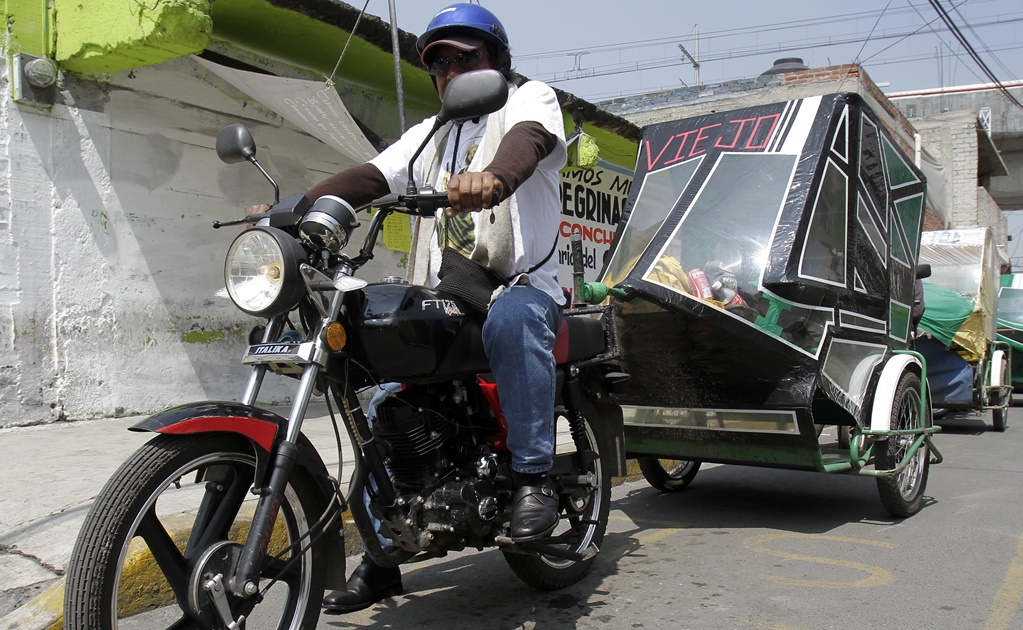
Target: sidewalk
[(52, 474)]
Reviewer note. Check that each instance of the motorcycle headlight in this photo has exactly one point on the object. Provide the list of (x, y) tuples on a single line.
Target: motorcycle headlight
[(328, 223), (262, 271)]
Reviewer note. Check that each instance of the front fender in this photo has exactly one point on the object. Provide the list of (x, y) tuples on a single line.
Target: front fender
[(259, 425), (264, 429), (998, 375)]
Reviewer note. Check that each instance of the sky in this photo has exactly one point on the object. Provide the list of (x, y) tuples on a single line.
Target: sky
[(604, 49)]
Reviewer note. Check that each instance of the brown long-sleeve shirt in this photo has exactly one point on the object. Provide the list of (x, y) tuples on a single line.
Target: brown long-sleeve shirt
[(521, 149)]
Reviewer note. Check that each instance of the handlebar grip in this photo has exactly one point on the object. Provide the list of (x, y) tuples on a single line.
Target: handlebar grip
[(428, 204)]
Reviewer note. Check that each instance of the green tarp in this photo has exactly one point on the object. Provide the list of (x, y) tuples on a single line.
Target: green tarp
[(946, 313), (960, 297)]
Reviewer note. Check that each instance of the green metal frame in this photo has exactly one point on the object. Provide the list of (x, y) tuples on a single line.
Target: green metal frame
[(923, 436)]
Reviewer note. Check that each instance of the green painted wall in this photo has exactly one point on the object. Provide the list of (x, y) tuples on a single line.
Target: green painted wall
[(30, 24), (365, 77), (312, 44), (108, 36), (613, 148)]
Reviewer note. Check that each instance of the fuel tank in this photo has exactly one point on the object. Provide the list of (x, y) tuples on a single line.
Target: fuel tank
[(409, 333)]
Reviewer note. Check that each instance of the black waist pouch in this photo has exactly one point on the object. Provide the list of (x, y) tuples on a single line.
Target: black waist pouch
[(468, 280)]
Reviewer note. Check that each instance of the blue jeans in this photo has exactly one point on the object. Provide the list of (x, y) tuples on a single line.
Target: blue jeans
[(518, 336)]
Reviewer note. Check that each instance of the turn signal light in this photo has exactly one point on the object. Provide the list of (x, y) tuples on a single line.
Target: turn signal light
[(337, 337)]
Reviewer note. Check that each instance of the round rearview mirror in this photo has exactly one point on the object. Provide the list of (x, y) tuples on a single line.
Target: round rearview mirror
[(473, 94), (235, 144)]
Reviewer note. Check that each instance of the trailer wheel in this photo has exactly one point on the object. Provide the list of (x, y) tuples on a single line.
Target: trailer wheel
[(844, 436), (1000, 419), (902, 493), (669, 475), (1000, 415)]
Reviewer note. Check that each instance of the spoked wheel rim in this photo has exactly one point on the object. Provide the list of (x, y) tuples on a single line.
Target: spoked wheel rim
[(580, 512), (909, 478), (156, 530), (677, 469)]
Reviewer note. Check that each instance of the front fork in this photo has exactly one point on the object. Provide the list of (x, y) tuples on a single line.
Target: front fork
[(245, 581), (370, 456)]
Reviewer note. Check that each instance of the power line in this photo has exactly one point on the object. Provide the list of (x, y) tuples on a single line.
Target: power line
[(928, 24), (947, 19), (666, 62), (979, 38), (723, 33), (873, 28), (879, 62)]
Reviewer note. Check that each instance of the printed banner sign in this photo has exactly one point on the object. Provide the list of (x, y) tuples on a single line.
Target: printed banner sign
[(592, 202)]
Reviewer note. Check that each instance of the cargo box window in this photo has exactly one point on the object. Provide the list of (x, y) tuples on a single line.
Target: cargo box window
[(823, 256), (725, 235), (660, 193)]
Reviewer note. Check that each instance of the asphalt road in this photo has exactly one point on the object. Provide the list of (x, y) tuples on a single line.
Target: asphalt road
[(765, 549)]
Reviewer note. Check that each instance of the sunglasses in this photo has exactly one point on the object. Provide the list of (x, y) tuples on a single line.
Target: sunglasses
[(462, 62)]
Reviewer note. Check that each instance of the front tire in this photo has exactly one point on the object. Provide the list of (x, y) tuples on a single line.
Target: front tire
[(165, 507), (902, 494), (1000, 416), (669, 475), (584, 514)]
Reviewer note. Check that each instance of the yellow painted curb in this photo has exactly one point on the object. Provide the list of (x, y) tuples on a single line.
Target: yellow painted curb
[(45, 611)]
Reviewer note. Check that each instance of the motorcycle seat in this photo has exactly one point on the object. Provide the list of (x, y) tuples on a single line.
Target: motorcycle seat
[(580, 337)]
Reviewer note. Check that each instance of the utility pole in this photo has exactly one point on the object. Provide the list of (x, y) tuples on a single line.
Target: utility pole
[(693, 60), (398, 83)]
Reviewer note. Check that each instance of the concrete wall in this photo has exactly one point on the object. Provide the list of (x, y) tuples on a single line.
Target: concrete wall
[(952, 139), (989, 214), (107, 294), (1006, 127)]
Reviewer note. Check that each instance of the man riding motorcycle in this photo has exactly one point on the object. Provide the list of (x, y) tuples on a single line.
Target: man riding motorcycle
[(501, 173)]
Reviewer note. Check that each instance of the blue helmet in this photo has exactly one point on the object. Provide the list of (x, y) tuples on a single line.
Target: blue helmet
[(467, 20)]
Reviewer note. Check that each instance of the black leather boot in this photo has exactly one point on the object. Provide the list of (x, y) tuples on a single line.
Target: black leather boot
[(368, 584), (534, 510)]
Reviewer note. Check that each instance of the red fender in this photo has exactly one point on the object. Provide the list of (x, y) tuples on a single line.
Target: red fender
[(259, 425)]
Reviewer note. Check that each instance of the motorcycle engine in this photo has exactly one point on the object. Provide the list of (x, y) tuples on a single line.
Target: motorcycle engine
[(417, 436), (441, 467)]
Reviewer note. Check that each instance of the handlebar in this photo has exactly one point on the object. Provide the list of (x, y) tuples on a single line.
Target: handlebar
[(424, 203)]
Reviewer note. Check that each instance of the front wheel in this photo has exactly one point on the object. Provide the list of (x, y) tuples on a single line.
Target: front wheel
[(902, 493), (1000, 416), (584, 510), (669, 475), (170, 518)]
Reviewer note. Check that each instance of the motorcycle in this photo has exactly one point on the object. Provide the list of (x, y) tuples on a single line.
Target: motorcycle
[(228, 517)]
